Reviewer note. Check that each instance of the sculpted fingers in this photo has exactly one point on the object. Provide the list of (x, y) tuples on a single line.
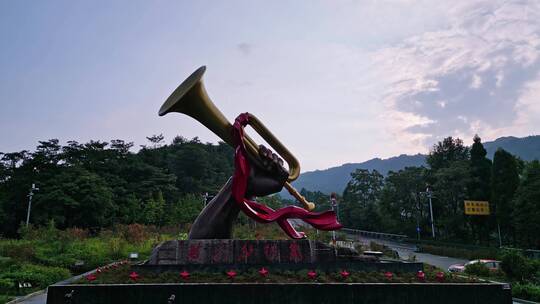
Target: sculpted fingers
[(271, 161)]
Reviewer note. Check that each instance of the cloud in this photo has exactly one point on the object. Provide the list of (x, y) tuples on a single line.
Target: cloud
[(244, 48), (478, 74)]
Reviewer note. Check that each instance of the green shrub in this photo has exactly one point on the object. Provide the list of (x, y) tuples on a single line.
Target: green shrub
[(517, 267), (529, 292), (6, 262), (18, 249), (6, 285), (38, 276), (477, 269), (5, 298)]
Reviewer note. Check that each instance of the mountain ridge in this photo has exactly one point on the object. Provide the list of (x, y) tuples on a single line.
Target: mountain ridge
[(334, 179)]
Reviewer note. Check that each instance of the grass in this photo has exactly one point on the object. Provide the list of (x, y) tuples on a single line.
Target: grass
[(44, 256)]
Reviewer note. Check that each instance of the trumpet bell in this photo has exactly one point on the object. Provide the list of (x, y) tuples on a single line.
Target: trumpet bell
[(191, 98)]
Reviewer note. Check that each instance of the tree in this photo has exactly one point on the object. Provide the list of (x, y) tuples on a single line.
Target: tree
[(479, 188), (360, 197), (401, 204), (156, 140), (504, 183), (450, 190), (74, 197), (446, 152), (154, 210), (526, 213), (321, 200), (186, 210)]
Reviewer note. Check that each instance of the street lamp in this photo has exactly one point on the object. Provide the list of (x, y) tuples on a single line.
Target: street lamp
[(30, 194), (429, 195)]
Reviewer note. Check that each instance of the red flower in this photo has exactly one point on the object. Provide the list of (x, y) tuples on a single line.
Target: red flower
[(263, 272), (344, 274), (388, 275), (231, 274), (312, 274), (91, 277), (134, 276), (420, 275), (440, 276), (98, 270), (184, 274)]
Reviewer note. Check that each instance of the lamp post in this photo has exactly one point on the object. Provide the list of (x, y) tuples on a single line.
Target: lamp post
[(429, 195), (30, 194)]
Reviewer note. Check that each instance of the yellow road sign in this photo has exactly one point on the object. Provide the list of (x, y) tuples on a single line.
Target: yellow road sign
[(476, 208)]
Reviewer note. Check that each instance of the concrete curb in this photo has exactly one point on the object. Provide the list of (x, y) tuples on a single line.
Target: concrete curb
[(523, 301)]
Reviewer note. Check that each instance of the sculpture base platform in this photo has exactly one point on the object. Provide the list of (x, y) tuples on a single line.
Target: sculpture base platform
[(218, 255)]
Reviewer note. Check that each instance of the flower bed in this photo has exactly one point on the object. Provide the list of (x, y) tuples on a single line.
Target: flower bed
[(123, 273)]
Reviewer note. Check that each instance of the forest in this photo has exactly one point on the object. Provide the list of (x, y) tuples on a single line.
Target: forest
[(398, 203), (101, 184)]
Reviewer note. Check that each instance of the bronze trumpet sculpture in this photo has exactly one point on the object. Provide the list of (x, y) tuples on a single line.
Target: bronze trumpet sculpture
[(191, 98)]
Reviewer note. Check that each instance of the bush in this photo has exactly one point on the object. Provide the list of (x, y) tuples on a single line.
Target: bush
[(5, 298), (6, 262), (6, 285), (18, 250), (477, 269), (76, 233), (38, 276), (517, 267), (526, 291)]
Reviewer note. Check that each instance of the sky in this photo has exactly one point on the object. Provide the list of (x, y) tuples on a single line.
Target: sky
[(335, 81)]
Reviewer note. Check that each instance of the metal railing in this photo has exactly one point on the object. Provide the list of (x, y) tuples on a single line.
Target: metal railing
[(374, 234)]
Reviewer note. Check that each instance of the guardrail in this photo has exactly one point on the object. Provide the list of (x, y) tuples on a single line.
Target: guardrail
[(375, 235)]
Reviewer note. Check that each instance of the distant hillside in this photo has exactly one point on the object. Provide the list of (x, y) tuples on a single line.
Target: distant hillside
[(528, 148), (335, 179)]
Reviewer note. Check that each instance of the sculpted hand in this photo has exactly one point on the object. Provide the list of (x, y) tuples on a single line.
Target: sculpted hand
[(266, 175)]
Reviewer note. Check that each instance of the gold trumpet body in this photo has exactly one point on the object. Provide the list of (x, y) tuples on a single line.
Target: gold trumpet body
[(191, 98)]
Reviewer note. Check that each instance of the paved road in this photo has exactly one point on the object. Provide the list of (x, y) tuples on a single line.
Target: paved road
[(37, 299), (406, 250)]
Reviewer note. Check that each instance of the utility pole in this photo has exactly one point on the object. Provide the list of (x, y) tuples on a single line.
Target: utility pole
[(30, 194), (418, 214), (429, 194)]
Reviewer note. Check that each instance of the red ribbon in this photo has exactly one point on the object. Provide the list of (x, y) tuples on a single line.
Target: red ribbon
[(320, 220)]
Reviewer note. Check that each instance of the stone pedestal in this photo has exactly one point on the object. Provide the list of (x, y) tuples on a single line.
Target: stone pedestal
[(218, 255), (216, 252)]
